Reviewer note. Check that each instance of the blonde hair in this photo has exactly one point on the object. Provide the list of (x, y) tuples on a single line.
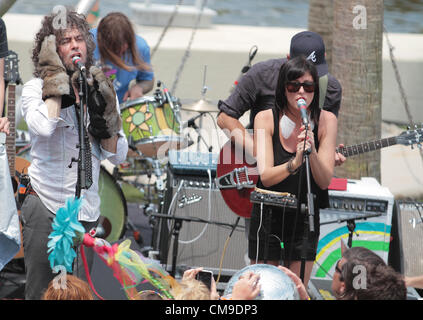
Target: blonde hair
[(75, 289), (191, 289)]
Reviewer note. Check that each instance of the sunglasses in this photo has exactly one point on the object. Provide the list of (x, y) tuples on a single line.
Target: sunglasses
[(339, 270), (294, 86)]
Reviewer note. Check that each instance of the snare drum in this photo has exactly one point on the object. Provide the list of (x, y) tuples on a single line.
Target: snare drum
[(148, 125)]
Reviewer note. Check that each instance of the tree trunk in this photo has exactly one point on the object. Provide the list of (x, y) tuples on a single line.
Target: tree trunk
[(357, 64), (320, 20)]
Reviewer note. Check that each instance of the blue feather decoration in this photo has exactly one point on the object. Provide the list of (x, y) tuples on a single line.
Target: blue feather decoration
[(66, 231)]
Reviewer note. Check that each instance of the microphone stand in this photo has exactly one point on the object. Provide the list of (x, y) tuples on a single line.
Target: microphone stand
[(310, 208), (83, 182)]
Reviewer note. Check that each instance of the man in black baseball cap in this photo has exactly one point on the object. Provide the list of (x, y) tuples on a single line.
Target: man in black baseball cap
[(310, 44), (256, 89)]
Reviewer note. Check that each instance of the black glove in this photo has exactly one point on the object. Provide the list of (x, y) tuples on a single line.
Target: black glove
[(68, 99), (51, 69), (105, 121)]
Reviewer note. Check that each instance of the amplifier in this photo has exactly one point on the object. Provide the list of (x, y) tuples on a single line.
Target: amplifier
[(192, 163), (204, 240), (369, 207), (407, 246)]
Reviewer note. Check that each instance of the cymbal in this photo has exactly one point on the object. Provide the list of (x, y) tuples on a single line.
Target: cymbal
[(200, 106)]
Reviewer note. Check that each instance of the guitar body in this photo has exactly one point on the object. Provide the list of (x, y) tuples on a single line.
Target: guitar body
[(236, 177), (237, 199)]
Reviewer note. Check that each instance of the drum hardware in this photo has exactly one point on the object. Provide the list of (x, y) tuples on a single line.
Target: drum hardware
[(158, 95), (202, 105)]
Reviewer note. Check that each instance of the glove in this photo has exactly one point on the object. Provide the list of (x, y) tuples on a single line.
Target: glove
[(69, 99), (105, 121), (51, 69)]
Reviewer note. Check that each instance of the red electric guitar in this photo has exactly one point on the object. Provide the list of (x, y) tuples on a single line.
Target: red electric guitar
[(236, 178)]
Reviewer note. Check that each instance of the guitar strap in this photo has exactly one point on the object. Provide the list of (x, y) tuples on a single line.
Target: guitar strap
[(323, 87)]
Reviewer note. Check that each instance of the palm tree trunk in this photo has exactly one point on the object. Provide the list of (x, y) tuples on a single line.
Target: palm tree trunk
[(320, 20), (357, 64)]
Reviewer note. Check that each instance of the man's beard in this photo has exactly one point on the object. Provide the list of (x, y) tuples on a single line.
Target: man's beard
[(70, 69)]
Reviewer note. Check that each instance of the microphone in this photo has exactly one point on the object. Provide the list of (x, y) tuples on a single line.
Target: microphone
[(76, 60), (247, 67), (303, 108)]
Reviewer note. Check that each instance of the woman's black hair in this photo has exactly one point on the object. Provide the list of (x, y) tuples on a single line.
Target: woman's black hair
[(290, 71)]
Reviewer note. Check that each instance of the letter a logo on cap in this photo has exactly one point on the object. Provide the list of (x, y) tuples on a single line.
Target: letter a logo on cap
[(312, 56)]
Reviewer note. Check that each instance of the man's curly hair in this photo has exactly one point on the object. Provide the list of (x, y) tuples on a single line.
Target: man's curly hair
[(48, 27)]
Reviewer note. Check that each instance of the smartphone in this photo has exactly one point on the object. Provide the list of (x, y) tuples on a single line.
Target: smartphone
[(205, 276)]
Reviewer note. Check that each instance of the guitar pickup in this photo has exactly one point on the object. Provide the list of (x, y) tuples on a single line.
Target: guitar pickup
[(237, 178)]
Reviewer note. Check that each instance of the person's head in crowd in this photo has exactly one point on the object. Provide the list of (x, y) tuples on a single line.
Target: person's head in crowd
[(74, 289), (149, 295), (117, 42), (191, 289), (363, 275)]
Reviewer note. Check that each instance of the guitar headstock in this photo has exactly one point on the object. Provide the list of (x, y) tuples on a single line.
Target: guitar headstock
[(11, 68), (411, 137)]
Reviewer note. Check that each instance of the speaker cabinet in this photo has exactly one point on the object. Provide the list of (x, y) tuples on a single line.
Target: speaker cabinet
[(407, 246), (201, 242)]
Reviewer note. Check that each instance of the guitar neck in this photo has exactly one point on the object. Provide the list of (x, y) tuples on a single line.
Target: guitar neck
[(367, 146), (10, 139)]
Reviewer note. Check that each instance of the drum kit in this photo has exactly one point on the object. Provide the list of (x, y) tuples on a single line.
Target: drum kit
[(153, 126)]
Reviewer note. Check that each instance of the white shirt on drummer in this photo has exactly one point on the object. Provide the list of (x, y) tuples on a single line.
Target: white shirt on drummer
[(53, 146)]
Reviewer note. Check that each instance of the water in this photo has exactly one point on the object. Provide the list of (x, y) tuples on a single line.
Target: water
[(404, 16)]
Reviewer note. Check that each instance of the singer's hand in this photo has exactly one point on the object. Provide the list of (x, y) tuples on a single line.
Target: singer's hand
[(105, 121), (310, 138), (52, 70)]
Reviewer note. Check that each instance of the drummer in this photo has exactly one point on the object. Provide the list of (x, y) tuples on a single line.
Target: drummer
[(124, 56)]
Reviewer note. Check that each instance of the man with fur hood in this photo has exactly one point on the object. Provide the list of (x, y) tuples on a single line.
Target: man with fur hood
[(50, 106)]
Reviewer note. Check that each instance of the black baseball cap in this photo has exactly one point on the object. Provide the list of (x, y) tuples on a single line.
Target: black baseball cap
[(310, 44)]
